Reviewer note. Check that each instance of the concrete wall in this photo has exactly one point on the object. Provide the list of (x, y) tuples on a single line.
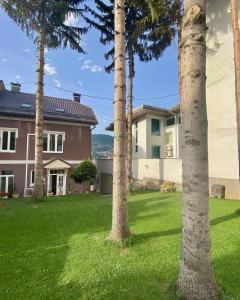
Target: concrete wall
[(221, 106), (159, 169)]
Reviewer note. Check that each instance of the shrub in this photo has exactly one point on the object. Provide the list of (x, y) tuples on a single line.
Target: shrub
[(85, 172), (168, 187)]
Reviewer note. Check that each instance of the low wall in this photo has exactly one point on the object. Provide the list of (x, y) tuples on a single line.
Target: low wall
[(149, 173)]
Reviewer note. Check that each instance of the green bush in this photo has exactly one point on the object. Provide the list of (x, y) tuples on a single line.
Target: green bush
[(85, 172)]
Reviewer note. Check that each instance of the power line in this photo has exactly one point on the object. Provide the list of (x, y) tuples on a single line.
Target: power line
[(103, 98)]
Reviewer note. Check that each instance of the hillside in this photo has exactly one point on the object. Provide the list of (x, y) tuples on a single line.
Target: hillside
[(102, 146), (102, 139)]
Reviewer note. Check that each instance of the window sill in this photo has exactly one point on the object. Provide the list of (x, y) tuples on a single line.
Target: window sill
[(56, 152), (8, 151)]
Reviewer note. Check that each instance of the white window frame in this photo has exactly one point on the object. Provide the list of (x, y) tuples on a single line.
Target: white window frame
[(7, 180), (56, 133), (9, 130), (136, 137), (31, 178)]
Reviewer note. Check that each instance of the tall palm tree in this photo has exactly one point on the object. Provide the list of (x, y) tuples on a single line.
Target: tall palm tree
[(195, 279), (45, 22), (146, 38), (236, 46)]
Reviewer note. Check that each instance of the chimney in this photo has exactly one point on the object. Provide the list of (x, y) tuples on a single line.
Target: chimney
[(15, 87), (2, 86), (76, 97)]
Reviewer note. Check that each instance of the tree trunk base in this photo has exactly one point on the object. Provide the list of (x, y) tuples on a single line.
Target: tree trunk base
[(118, 237), (194, 288)]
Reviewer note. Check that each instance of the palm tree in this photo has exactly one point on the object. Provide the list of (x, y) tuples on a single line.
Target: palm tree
[(236, 45), (146, 38), (46, 19), (195, 279)]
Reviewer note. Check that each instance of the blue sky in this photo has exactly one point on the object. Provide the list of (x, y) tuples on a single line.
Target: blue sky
[(85, 74)]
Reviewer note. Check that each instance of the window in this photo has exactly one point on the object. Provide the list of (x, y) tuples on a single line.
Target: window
[(53, 142), (170, 121), (32, 178), (8, 139), (155, 151), (136, 136), (169, 138), (6, 181), (155, 126)]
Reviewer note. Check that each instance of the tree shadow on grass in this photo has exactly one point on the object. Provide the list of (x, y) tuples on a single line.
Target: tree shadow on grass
[(143, 237), (133, 284)]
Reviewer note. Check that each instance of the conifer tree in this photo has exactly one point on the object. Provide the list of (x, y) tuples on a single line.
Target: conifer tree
[(44, 22)]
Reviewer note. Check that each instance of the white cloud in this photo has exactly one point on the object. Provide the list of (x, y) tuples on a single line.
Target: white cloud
[(80, 82), (49, 69), (18, 76), (45, 50), (88, 65), (71, 20), (57, 83), (27, 50), (3, 61)]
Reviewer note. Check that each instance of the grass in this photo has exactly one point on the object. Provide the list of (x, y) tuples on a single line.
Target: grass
[(56, 249)]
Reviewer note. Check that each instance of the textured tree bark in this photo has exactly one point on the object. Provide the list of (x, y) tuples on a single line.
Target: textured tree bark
[(120, 229), (129, 141), (236, 45), (195, 279), (179, 18), (38, 184)]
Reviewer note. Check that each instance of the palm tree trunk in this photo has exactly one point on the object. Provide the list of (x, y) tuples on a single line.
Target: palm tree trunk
[(195, 279), (120, 229), (236, 45), (129, 141), (38, 184)]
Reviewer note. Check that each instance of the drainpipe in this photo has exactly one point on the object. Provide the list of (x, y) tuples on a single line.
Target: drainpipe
[(26, 166)]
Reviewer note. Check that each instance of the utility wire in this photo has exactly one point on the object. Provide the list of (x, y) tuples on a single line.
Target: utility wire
[(99, 97)]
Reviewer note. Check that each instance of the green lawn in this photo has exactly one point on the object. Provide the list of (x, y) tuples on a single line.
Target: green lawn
[(56, 249)]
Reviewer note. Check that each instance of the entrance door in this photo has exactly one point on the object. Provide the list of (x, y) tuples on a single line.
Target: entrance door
[(54, 184), (60, 185), (57, 182)]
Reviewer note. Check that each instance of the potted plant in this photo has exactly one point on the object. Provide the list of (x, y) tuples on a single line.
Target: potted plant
[(3, 195), (15, 195)]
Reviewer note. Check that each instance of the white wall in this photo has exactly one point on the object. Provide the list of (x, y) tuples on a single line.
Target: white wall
[(146, 140), (160, 169), (221, 107), (142, 138)]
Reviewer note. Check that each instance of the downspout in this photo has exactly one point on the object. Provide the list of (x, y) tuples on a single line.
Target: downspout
[(26, 165)]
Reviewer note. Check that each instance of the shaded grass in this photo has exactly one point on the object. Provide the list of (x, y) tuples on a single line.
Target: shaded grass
[(56, 249)]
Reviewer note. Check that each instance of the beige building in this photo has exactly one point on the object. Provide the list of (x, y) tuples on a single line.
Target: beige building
[(221, 106), (155, 133)]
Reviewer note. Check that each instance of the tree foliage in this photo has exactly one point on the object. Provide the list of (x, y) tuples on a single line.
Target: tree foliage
[(30, 16), (84, 172), (145, 37)]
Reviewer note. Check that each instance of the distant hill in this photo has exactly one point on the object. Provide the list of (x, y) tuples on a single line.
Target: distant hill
[(102, 146), (102, 139)]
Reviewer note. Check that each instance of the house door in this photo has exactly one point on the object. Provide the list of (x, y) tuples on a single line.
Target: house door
[(54, 184), (57, 182)]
